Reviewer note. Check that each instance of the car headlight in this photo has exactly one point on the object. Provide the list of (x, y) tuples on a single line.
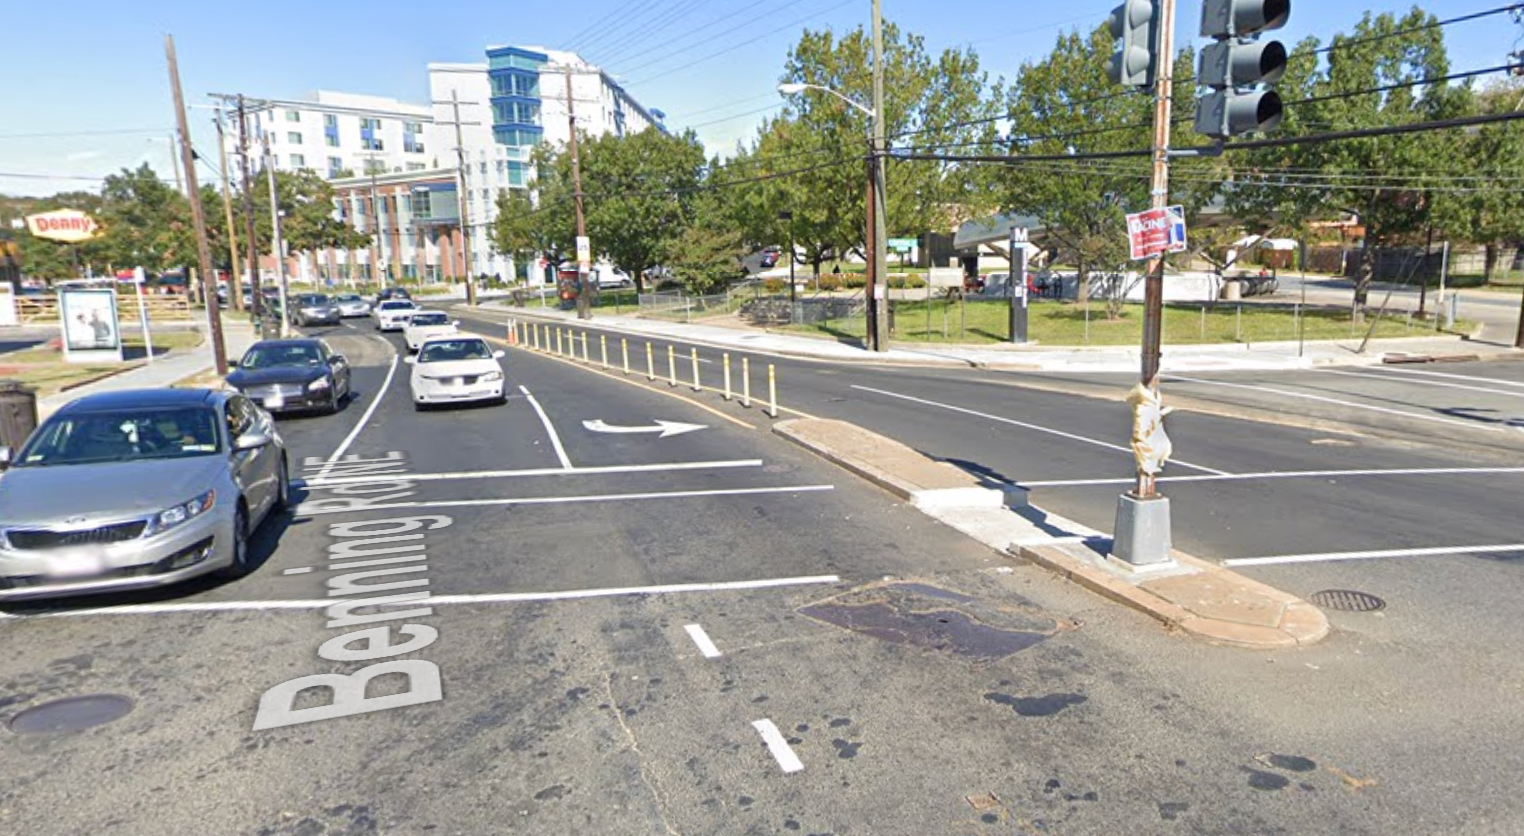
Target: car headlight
[(492, 376), (178, 514), (318, 385)]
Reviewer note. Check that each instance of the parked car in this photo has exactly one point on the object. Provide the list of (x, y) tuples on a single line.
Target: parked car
[(314, 309), (138, 488), (612, 277), (454, 370), (351, 305), (288, 375), (426, 325), (393, 314), (769, 257)]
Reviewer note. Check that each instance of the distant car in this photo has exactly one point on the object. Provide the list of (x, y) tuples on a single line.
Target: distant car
[(455, 370), (612, 277), (392, 293), (287, 375), (138, 488), (769, 257), (351, 305), (393, 314), (426, 325), (314, 309)]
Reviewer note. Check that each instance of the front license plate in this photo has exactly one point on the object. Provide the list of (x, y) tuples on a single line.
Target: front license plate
[(76, 564), (274, 402)]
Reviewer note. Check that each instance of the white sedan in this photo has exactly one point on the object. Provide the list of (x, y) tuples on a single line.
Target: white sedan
[(455, 370), (393, 314), (423, 326)]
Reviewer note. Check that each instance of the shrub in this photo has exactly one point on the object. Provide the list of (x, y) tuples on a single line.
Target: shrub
[(830, 283), (853, 281), (907, 282), (774, 285)]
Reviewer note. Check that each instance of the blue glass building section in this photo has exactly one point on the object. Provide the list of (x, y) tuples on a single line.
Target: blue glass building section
[(515, 77)]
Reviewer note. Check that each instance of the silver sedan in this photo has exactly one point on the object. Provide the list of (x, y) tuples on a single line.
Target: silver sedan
[(135, 489)]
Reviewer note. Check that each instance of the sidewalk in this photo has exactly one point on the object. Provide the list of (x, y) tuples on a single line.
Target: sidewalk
[(163, 371), (1116, 359)]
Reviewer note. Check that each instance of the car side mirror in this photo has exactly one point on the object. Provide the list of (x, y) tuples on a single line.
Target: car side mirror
[(499, 354), (411, 359), (5, 457), (252, 440), (337, 360), (455, 322)]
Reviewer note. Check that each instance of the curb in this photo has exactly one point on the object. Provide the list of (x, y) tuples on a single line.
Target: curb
[(1196, 597)]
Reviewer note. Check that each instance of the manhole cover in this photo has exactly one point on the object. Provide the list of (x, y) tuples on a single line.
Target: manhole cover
[(1348, 600), (71, 714)]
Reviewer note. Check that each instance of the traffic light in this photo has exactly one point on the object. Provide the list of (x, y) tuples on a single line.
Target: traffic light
[(1136, 24), (1237, 63)]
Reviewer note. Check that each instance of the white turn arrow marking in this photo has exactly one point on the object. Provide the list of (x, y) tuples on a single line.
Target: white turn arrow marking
[(663, 428)]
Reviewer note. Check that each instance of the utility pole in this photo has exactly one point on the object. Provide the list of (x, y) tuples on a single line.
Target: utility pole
[(235, 287), (584, 304), (277, 245), (1153, 288), (878, 335), (377, 232), (174, 161), (465, 204), (203, 251), (256, 296)]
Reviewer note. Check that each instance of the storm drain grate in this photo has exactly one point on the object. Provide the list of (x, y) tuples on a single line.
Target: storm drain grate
[(1348, 600), (71, 714)]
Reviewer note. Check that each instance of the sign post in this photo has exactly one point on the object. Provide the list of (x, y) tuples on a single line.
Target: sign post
[(1018, 291)]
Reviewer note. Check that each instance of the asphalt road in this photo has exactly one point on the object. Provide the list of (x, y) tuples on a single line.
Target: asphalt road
[(635, 635)]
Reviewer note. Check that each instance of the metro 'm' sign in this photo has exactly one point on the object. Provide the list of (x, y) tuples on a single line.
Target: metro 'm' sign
[(67, 225)]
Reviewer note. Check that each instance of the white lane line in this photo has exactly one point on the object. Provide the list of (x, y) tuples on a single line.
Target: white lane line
[(364, 419), (1426, 373), (1326, 557), (554, 500), (1352, 405), (1427, 383), (1286, 474), (701, 639), (555, 440), (782, 753), (1035, 427), (485, 598), (537, 471)]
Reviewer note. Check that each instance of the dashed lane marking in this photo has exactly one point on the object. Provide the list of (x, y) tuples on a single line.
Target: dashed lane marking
[(538, 471), (1328, 557), (701, 639), (364, 419), (555, 439), (782, 752)]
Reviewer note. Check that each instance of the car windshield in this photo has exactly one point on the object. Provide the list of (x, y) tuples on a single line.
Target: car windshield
[(396, 305), (315, 299), (281, 356), (430, 319), (348, 297), (123, 435), (445, 351)]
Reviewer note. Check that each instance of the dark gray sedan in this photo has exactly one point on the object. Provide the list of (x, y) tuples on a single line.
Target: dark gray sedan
[(286, 375), (135, 489), (314, 309)]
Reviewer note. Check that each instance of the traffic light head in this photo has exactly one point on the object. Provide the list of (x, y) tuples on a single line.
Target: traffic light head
[(1135, 23), (1241, 64), (1226, 114), (1242, 18)]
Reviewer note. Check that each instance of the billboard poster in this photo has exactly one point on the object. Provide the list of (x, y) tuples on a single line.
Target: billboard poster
[(91, 333)]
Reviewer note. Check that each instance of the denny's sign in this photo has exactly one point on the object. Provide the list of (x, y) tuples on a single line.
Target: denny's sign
[(67, 225)]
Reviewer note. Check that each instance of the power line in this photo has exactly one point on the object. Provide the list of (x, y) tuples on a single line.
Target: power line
[(1423, 82), (713, 55), (600, 34), (1346, 44), (658, 47), (737, 116), (116, 132), (636, 35)]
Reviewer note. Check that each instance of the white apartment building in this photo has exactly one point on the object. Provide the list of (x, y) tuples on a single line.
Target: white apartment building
[(507, 106), (333, 133)]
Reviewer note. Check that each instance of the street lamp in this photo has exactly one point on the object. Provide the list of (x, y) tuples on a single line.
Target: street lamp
[(793, 304), (877, 334)]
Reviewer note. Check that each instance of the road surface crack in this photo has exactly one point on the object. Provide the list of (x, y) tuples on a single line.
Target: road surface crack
[(645, 778)]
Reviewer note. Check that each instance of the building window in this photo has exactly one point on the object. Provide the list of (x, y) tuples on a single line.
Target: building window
[(293, 116), (298, 161), (517, 174), (293, 137), (332, 140), (330, 120), (416, 166), (335, 166), (369, 128), (375, 167)]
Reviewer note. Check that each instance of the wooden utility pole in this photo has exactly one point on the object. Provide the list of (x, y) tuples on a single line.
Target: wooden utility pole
[(256, 295), (235, 287), (277, 245), (1153, 288), (878, 339), (584, 304), (203, 251), (465, 203)]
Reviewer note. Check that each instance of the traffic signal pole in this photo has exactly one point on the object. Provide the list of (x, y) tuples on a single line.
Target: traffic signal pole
[(1153, 288)]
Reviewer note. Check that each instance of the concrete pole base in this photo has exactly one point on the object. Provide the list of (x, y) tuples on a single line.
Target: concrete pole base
[(1141, 539)]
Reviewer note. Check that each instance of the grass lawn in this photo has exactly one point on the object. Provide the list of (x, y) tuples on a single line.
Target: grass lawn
[(46, 371), (132, 344), (1064, 323)]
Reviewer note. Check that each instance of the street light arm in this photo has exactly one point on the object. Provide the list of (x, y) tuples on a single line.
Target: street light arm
[(790, 89)]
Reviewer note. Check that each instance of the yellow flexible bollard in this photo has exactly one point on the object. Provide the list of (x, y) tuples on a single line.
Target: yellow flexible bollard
[(558, 341), (671, 366), (697, 387), (585, 358), (650, 363), (624, 349), (746, 382), (726, 394), (603, 348), (772, 391), (534, 337)]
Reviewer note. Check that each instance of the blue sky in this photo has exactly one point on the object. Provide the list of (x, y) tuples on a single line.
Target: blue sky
[(76, 70)]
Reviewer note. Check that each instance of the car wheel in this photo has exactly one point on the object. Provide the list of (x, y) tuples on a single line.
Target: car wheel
[(420, 406), (240, 566), (332, 406), (283, 489)]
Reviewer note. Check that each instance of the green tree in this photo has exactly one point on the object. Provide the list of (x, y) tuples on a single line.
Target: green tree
[(638, 191), (542, 223), (707, 254), (1488, 208), (145, 223)]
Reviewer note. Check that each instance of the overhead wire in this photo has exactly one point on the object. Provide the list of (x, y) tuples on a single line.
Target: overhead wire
[(713, 55)]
